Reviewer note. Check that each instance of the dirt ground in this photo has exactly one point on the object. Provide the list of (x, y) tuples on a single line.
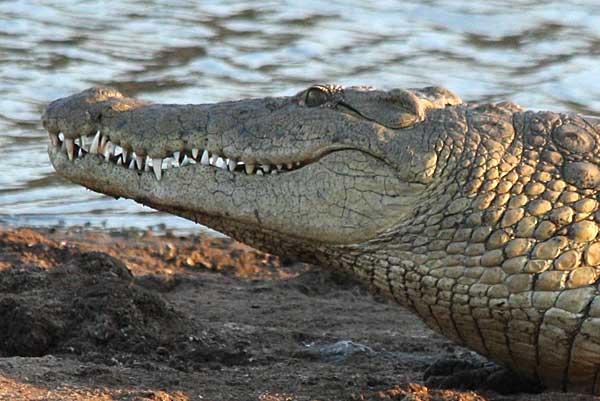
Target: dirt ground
[(98, 315)]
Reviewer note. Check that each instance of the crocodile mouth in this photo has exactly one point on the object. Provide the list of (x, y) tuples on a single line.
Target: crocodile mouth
[(101, 146), (249, 168)]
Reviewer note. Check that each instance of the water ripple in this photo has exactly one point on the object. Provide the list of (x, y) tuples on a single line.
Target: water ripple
[(544, 55)]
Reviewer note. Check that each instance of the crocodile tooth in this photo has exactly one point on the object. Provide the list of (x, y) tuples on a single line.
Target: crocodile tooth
[(95, 142), (290, 166), (279, 166), (70, 147), (249, 168), (213, 160), (54, 139), (195, 152), (176, 159), (205, 158), (220, 163), (139, 161), (157, 167), (124, 155), (132, 164), (82, 142), (103, 141), (80, 152), (109, 149), (61, 136), (231, 164), (147, 163), (168, 162), (266, 168), (119, 161), (259, 172), (274, 172), (186, 161)]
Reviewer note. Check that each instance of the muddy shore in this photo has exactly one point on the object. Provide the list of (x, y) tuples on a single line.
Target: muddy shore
[(98, 315)]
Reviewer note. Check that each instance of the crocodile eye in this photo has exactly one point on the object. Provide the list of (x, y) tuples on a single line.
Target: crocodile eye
[(316, 97)]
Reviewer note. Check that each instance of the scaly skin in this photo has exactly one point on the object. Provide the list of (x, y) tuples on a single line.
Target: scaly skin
[(483, 219)]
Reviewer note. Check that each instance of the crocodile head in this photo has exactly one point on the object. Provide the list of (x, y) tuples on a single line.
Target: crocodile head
[(330, 166)]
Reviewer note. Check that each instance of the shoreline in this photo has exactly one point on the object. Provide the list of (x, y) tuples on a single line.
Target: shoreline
[(88, 314)]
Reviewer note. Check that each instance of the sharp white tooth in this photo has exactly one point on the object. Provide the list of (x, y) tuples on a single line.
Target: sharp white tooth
[(195, 152), (266, 168), (80, 152), (157, 167), (249, 168), (231, 164), (95, 143), (274, 172), (61, 136), (103, 142), (205, 158), (147, 163), (70, 147), (279, 166), (290, 166), (118, 150), (119, 162), (186, 161), (167, 163), (176, 158), (259, 172), (54, 139), (132, 164), (124, 156), (221, 163), (82, 141), (139, 160), (109, 150), (213, 160)]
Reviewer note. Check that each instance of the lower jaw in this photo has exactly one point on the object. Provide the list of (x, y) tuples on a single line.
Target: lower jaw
[(244, 207), (96, 174)]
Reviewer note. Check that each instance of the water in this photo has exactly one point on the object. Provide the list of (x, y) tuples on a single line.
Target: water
[(541, 54)]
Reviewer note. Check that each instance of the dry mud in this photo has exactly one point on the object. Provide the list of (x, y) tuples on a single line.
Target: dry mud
[(97, 315)]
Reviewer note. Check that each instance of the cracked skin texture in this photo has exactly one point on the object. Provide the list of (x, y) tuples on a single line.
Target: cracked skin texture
[(481, 218)]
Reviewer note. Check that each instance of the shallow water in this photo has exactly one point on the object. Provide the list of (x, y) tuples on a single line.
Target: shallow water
[(543, 55)]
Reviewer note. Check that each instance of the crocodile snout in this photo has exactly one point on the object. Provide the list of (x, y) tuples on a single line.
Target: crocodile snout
[(80, 114)]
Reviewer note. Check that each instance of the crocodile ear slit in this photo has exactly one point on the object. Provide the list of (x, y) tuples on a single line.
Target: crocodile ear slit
[(394, 109), (412, 108)]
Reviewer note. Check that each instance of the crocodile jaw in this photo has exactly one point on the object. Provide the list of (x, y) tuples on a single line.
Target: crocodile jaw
[(329, 188), (292, 204)]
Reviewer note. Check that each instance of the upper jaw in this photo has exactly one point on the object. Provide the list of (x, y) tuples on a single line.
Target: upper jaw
[(145, 136), (256, 136), (274, 132)]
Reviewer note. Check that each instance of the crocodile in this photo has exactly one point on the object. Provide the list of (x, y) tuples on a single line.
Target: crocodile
[(482, 218)]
